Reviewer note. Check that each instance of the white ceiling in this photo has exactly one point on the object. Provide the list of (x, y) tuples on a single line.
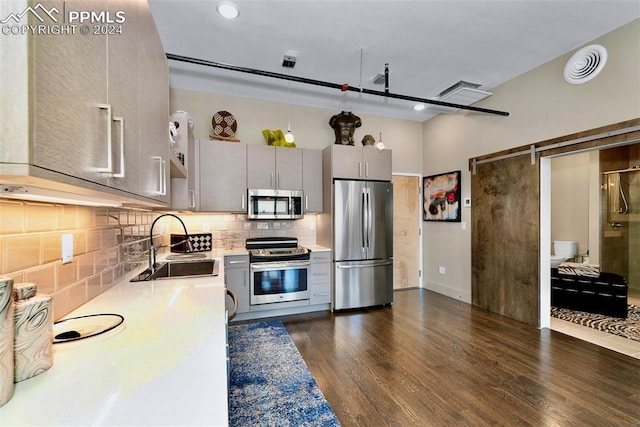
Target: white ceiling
[(429, 45)]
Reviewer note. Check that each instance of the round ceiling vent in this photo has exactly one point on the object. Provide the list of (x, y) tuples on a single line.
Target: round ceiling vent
[(585, 64)]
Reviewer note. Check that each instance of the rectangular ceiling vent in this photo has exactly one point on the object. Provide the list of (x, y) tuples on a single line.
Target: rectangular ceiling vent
[(463, 93)]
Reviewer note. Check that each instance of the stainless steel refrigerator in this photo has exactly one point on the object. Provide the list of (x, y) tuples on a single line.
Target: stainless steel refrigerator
[(363, 243)]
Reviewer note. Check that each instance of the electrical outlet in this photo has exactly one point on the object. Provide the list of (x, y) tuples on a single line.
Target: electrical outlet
[(67, 248), (442, 269)]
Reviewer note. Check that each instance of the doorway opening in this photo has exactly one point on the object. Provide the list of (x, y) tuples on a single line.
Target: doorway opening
[(584, 199), (407, 231)]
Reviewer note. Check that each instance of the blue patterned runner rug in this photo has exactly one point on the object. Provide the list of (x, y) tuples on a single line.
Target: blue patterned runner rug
[(270, 383)]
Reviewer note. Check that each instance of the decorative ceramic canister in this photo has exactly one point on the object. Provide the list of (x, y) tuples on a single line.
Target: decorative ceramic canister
[(33, 332), (6, 340)]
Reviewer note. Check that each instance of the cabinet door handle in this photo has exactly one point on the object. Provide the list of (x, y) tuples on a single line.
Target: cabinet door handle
[(192, 198), (162, 181), (164, 178), (360, 169), (306, 203), (271, 180), (121, 133), (277, 181), (109, 168), (366, 170), (242, 203)]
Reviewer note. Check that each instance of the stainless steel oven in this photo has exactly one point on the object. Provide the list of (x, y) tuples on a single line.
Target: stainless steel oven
[(279, 270), (279, 281)]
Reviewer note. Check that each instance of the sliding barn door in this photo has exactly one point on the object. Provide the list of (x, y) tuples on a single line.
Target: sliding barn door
[(505, 238)]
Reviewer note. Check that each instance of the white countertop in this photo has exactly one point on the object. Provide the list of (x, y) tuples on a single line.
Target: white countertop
[(165, 365)]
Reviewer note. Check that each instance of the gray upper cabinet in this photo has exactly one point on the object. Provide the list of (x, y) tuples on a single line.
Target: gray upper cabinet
[(279, 168), (312, 180), (71, 115), (122, 96), (354, 162), (221, 171), (225, 170), (98, 107), (153, 110), (377, 164)]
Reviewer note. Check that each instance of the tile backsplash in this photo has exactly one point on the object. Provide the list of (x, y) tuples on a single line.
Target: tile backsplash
[(229, 231), (107, 243)]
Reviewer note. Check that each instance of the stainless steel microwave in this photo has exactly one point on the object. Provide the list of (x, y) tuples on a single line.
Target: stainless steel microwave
[(274, 204)]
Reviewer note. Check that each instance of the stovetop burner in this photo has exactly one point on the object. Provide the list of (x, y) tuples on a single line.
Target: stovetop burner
[(275, 249)]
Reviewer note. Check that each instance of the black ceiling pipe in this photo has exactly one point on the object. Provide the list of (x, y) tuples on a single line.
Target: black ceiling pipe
[(341, 86), (386, 79)]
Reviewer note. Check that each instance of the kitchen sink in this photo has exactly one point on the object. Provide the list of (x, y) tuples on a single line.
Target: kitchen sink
[(183, 269)]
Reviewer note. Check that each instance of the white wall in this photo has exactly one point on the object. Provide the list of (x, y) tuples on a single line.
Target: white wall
[(570, 199), (309, 125), (575, 202), (542, 106)]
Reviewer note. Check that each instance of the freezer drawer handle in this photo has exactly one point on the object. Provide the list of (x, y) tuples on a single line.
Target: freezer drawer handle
[(380, 264)]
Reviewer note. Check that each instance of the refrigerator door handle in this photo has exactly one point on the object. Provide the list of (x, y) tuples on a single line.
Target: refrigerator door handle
[(363, 230), (369, 219)]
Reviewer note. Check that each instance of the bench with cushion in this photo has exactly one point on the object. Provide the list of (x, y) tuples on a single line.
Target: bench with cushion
[(605, 294)]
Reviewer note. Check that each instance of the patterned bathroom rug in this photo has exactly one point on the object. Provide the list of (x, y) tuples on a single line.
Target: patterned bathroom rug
[(628, 328), (270, 384)]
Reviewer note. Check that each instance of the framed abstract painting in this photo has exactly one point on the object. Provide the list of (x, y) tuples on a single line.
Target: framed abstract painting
[(441, 197)]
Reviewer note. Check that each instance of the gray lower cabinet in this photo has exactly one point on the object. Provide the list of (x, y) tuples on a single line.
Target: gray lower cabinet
[(236, 278), (320, 286), (221, 172)]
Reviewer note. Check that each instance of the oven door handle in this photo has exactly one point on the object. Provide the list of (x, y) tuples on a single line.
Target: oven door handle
[(263, 266)]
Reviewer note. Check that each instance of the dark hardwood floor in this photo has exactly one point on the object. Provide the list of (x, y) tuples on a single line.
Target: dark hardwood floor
[(434, 361)]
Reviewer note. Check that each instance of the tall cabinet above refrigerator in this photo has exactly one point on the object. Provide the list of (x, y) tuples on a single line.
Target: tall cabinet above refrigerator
[(358, 225)]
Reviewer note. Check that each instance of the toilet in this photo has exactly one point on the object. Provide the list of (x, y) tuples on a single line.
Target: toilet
[(563, 250)]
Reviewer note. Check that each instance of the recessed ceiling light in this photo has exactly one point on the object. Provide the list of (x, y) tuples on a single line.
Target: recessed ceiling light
[(419, 107), (228, 10)]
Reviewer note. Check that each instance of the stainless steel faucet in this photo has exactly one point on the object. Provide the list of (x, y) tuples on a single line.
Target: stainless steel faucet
[(153, 249)]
